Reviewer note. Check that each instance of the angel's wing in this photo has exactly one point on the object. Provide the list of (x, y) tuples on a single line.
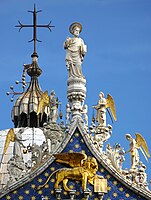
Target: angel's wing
[(44, 101), (72, 159), (9, 138), (110, 104), (142, 145)]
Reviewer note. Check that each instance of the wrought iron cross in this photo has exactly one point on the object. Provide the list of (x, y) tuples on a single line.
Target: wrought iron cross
[(34, 26)]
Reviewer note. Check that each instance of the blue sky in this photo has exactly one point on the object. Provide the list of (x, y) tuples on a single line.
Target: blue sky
[(118, 61)]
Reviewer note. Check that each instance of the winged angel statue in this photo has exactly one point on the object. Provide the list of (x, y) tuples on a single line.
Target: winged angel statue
[(103, 105), (9, 138), (17, 139), (135, 144), (83, 169), (49, 102)]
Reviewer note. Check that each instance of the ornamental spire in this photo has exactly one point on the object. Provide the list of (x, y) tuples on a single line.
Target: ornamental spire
[(76, 83), (24, 112), (34, 26)]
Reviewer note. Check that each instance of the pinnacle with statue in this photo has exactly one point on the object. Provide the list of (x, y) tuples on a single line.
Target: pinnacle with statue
[(61, 159), (75, 51)]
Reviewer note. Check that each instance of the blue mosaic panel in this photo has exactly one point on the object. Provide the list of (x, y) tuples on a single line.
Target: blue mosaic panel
[(116, 190)]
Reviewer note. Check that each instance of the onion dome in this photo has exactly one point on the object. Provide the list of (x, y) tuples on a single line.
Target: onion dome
[(24, 112)]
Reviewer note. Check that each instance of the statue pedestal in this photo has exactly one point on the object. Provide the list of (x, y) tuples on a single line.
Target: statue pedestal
[(87, 194), (102, 134), (58, 194), (72, 194), (76, 93), (100, 195)]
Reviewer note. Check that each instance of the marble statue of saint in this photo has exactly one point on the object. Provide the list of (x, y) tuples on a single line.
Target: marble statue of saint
[(75, 51)]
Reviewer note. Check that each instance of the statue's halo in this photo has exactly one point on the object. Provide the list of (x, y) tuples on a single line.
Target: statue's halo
[(71, 28)]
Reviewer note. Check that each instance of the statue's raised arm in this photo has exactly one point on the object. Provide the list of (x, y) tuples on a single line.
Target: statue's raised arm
[(75, 51)]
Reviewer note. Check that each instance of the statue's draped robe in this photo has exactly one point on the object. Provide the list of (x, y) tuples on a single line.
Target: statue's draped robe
[(134, 154), (53, 109), (74, 56), (101, 112), (17, 146)]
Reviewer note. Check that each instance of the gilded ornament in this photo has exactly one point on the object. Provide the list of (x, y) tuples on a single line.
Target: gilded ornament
[(9, 138), (44, 102), (110, 104), (83, 169), (100, 185)]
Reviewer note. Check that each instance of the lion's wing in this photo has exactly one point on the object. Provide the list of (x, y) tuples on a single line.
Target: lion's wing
[(72, 159)]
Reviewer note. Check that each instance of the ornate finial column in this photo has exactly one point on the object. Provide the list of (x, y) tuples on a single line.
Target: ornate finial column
[(24, 112), (25, 108), (76, 93), (76, 84)]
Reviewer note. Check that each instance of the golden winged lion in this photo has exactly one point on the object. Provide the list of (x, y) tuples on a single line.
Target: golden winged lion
[(83, 169), (135, 144)]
